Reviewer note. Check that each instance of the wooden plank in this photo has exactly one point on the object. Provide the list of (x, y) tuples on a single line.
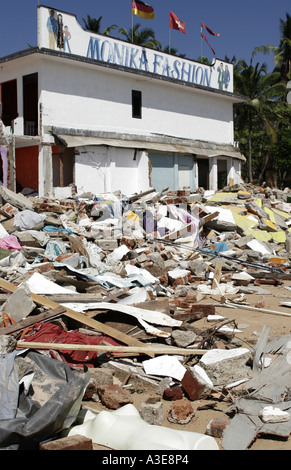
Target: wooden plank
[(31, 320), (189, 228), (67, 298), (208, 218), (107, 330), (146, 349), (217, 274)]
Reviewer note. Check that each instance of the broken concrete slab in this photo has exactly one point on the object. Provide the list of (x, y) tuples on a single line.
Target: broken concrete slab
[(226, 366), (16, 199), (19, 304)]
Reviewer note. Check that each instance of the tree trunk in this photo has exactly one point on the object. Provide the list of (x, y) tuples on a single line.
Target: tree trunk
[(264, 166)]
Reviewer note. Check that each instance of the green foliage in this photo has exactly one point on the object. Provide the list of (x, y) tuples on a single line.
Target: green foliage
[(263, 122), (142, 37)]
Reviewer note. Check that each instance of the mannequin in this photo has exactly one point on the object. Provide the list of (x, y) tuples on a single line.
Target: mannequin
[(124, 429)]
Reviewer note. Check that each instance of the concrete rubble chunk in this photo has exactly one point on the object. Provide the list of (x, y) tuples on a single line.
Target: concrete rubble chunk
[(7, 344), (152, 411), (226, 366), (19, 304), (183, 338), (17, 200), (113, 396)]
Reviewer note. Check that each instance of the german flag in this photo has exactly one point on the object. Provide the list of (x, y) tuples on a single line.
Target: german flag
[(143, 10)]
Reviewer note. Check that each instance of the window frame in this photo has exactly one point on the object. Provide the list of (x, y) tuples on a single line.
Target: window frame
[(136, 104)]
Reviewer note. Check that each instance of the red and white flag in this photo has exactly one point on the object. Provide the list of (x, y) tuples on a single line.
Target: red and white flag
[(203, 36), (209, 30), (175, 23)]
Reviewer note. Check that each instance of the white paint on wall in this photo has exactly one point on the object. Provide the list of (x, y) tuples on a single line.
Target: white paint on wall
[(103, 170), (87, 98)]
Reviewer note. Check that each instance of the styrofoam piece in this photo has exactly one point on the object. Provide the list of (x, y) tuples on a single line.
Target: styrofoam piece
[(124, 429), (165, 365), (217, 355), (39, 284), (272, 414), (259, 246)]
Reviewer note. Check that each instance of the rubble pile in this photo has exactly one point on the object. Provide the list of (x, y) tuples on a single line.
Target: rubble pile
[(101, 289)]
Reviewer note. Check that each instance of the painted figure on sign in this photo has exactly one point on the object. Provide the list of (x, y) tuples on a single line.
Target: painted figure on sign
[(221, 76), (67, 37), (226, 77), (52, 26)]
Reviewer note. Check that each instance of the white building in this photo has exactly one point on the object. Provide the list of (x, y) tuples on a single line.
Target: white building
[(107, 115)]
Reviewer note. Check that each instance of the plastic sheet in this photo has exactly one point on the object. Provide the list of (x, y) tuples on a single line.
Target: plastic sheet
[(49, 406)]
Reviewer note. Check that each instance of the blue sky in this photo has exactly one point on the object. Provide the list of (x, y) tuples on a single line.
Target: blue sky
[(242, 25)]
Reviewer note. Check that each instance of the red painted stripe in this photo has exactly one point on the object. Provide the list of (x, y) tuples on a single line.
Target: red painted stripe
[(142, 7)]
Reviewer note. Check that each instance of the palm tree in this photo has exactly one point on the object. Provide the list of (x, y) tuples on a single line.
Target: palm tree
[(94, 25), (264, 94), (144, 37), (172, 51), (282, 53)]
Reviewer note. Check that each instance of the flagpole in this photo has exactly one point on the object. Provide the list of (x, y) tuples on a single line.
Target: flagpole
[(131, 24), (169, 39), (201, 40)]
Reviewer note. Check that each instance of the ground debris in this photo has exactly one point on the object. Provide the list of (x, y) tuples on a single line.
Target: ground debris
[(122, 283)]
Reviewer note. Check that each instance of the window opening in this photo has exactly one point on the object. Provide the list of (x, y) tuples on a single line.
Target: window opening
[(9, 102), (136, 104), (30, 104)]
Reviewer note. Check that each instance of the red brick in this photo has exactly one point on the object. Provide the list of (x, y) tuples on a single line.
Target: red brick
[(173, 393), (76, 442), (113, 396), (216, 427), (181, 412)]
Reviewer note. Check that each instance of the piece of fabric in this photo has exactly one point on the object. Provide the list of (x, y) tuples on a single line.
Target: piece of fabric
[(203, 36), (10, 243), (142, 10), (209, 30), (175, 23), (52, 333)]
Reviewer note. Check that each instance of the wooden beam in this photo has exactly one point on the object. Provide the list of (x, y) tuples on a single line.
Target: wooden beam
[(31, 320), (145, 349), (208, 218), (107, 330)]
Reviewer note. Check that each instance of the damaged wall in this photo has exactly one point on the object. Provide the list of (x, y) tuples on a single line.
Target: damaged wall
[(76, 95), (108, 169)]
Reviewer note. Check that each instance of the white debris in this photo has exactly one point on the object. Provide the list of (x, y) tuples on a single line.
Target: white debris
[(272, 414)]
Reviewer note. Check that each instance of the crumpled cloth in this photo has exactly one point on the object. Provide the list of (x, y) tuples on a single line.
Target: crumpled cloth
[(52, 333), (10, 243)]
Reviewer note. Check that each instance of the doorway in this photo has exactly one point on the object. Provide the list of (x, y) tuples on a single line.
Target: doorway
[(203, 173)]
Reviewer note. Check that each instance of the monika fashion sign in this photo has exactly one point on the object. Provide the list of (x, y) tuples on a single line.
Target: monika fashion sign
[(61, 31)]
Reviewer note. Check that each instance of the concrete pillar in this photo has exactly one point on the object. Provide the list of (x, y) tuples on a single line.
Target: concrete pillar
[(213, 173), (45, 171)]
